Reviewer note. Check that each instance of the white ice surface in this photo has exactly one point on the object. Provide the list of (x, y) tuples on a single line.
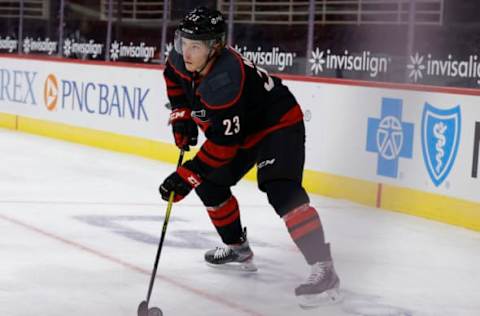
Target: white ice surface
[(79, 228)]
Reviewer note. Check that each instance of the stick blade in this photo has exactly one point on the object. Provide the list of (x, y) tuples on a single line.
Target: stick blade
[(143, 309), (155, 311)]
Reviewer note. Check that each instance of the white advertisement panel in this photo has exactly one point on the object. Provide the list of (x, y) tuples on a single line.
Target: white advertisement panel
[(122, 100), (416, 139), (422, 140)]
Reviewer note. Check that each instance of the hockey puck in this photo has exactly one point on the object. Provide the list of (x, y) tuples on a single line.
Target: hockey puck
[(155, 311)]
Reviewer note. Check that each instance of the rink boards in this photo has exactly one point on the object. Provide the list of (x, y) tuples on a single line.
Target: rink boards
[(412, 149)]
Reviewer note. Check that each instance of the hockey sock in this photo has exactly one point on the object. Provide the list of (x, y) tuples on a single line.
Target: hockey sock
[(306, 230), (226, 218)]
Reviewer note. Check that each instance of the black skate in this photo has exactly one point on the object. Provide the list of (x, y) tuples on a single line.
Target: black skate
[(232, 257), (321, 287)]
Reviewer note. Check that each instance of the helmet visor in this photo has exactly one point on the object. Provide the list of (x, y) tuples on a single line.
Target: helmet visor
[(178, 42)]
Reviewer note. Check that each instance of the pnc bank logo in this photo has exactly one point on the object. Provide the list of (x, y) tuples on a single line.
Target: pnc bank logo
[(95, 98), (50, 92)]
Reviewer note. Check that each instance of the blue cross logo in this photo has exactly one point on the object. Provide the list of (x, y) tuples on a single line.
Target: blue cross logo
[(389, 137)]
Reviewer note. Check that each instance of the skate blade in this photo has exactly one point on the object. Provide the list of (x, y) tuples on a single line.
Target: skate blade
[(246, 266), (326, 298)]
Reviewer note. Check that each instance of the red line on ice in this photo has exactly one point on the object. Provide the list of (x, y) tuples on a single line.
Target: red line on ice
[(199, 292)]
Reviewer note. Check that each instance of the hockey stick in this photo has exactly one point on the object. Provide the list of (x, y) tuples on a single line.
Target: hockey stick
[(143, 309)]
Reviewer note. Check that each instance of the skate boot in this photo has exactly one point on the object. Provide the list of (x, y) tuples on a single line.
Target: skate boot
[(321, 287), (232, 257)]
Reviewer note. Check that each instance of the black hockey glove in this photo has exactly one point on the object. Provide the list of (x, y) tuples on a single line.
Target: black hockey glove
[(181, 182), (185, 130)]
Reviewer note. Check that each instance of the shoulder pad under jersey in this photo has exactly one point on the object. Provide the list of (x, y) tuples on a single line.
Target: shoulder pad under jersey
[(176, 61), (223, 85)]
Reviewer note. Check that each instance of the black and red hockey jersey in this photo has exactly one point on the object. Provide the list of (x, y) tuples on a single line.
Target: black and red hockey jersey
[(236, 104)]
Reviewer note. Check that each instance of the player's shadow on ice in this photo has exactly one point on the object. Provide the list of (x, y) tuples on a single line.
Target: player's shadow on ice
[(178, 236)]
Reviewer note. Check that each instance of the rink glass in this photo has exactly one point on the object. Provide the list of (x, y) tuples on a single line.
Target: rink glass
[(410, 41)]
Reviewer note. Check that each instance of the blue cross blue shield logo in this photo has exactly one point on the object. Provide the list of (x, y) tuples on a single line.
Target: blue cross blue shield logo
[(440, 139), (389, 137)]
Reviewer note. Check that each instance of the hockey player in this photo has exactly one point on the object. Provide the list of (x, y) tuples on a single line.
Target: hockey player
[(248, 117)]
